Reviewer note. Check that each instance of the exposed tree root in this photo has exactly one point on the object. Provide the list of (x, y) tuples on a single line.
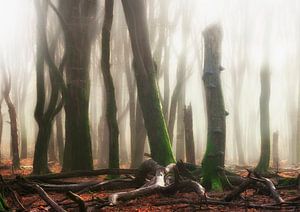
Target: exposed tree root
[(166, 181), (150, 178)]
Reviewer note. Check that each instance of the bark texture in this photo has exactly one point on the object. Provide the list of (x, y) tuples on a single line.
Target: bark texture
[(216, 127), (79, 16), (111, 106)]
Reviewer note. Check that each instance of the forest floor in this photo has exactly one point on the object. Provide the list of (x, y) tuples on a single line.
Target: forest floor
[(157, 202)]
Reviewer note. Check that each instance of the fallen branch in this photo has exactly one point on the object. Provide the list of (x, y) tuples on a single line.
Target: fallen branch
[(47, 199), (76, 198)]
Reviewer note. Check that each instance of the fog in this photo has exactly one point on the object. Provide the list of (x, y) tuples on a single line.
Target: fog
[(254, 32)]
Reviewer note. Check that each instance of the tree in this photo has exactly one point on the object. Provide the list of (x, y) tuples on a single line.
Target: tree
[(12, 116), (263, 164), (45, 113), (216, 126), (79, 17), (189, 135), (147, 88), (111, 106)]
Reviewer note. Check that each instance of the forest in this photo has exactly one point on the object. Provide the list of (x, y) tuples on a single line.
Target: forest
[(149, 105)]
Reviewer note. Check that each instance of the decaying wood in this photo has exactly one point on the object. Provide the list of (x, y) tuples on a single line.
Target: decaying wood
[(76, 198), (165, 181), (47, 198), (150, 178)]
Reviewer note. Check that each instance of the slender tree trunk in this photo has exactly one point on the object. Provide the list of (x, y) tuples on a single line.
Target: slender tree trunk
[(237, 132), (275, 151), (51, 149), (263, 164), (80, 16), (23, 135), (132, 101), (59, 137), (216, 126), (148, 93), (13, 131), (189, 135), (140, 136), (111, 106)]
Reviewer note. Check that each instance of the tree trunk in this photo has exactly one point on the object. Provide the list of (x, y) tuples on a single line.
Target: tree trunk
[(189, 135), (216, 126), (23, 134), (148, 93), (43, 114), (80, 16), (51, 149), (263, 164), (13, 131), (132, 101), (275, 151), (111, 106), (140, 136), (59, 137)]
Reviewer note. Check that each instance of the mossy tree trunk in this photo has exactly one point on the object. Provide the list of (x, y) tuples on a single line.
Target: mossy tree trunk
[(148, 94), (216, 125), (80, 18), (111, 106), (264, 160)]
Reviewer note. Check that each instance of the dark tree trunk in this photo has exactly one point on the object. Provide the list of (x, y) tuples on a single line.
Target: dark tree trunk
[(43, 114), (111, 106), (189, 135), (80, 16), (216, 126), (59, 137), (263, 164), (148, 93)]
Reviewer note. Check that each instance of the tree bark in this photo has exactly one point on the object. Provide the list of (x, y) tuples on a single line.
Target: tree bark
[(51, 149), (263, 164), (111, 106), (80, 17), (148, 93), (13, 131), (275, 151), (216, 126)]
